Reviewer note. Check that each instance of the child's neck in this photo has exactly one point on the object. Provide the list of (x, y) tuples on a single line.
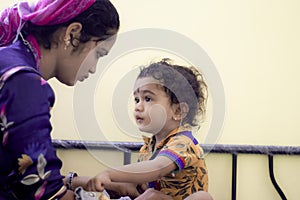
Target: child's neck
[(159, 138), (163, 134)]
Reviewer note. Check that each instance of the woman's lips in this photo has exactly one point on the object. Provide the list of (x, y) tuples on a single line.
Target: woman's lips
[(83, 78)]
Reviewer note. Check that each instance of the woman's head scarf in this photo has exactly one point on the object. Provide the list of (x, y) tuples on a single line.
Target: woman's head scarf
[(40, 12)]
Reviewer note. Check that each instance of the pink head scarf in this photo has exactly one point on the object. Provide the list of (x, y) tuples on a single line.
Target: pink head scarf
[(41, 12)]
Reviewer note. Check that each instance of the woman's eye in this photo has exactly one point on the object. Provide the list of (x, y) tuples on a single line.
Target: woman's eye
[(98, 55), (147, 99)]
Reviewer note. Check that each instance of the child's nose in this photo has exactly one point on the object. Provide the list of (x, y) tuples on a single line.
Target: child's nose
[(139, 106)]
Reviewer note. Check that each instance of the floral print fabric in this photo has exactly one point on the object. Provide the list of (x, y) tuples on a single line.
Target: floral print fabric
[(29, 167)]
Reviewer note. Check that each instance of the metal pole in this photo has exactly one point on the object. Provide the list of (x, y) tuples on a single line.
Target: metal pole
[(271, 172), (234, 176)]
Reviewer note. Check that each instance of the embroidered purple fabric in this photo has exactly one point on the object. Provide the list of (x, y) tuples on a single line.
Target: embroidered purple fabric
[(29, 166)]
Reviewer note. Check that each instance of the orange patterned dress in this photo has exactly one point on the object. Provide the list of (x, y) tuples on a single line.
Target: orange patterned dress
[(191, 174)]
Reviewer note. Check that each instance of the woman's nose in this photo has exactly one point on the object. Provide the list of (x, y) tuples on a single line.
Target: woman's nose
[(92, 69)]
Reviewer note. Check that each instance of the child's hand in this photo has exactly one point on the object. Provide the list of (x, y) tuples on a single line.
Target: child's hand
[(98, 182)]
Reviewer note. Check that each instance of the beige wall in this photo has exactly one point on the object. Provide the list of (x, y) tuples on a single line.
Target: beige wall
[(255, 47)]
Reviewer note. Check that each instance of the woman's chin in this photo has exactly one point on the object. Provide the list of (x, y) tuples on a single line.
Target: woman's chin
[(67, 82)]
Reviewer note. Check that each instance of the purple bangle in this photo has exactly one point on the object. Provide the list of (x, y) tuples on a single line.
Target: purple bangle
[(70, 177)]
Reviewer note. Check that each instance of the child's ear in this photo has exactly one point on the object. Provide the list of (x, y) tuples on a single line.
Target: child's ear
[(181, 111), (184, 107)]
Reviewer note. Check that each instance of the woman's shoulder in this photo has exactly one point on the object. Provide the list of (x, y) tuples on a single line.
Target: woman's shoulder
[(9, 72), (15, 54), (22, 81)]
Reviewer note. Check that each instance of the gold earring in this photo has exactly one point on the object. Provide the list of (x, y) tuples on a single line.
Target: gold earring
[(67, 43)]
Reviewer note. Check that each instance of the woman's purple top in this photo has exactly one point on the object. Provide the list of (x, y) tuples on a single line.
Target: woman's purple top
[(29, 166)]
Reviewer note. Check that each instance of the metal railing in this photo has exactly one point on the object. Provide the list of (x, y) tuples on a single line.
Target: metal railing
[(234, 150)]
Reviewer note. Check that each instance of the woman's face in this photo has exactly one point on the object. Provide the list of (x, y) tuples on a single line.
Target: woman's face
[(82, 61)]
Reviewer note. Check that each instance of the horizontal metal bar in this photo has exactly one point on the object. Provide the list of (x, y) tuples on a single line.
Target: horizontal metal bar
[(216, 148), (97, 145), (252, 149)]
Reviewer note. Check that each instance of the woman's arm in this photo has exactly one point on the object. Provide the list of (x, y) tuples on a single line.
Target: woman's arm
[(141, 172)]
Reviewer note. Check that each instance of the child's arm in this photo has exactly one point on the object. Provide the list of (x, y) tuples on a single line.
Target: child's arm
[(141, 172)]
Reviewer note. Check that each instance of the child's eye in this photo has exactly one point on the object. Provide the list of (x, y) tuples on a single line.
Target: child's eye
[(147, 99), (136, 100)]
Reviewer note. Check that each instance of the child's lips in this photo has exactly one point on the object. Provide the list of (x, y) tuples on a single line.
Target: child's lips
[(139, 119)]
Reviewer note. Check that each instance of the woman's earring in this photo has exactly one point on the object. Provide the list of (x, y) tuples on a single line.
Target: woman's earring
[(67, 43)]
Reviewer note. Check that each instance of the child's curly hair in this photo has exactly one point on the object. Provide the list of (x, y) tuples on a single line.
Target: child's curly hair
[(182, 84)]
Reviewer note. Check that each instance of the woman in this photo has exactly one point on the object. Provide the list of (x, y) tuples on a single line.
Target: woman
[(50, 38)]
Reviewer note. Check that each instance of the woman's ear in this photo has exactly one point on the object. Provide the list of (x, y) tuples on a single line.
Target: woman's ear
[(73, 31), (180, 111)]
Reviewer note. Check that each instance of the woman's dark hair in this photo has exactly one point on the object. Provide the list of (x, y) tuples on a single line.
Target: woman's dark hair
[(100, 20), (182, 85)]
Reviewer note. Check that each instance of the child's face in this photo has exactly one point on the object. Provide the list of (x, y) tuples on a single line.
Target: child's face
[(153, 111)]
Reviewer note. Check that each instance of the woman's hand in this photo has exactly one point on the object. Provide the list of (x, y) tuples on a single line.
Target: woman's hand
[(80, 181)]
